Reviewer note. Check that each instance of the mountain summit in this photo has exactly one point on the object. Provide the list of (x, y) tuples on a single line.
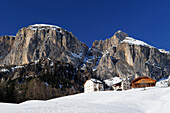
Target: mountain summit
[(128, 58), (42, 41)]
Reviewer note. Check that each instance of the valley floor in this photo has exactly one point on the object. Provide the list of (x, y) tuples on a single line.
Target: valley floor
[(151, 100)]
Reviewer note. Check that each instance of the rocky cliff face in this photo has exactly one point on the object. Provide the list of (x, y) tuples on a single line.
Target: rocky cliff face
[(130, 58), (110, 43), (42, 41), (6, 44)]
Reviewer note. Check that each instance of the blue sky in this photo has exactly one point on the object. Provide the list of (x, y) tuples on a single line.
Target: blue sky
[(90, 20)]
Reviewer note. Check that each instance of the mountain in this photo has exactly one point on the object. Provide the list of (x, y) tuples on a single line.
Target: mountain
[(129, 58), (43, 41), (45, 61)]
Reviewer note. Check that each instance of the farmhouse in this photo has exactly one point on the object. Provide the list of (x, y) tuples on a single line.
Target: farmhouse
[(93, 85), (143, 81), (117, 83)]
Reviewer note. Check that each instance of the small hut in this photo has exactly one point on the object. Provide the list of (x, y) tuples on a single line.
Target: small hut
[(142, 81)]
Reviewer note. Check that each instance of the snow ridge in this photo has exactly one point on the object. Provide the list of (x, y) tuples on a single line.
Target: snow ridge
[(164, 51), (45, 25), (133, 41)]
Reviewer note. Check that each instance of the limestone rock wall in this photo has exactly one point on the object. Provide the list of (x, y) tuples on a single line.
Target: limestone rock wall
[(131, 58), (39, 41), (6, 44)]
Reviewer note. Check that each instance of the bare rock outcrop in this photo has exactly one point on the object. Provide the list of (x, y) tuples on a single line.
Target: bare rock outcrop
[(110, 43), (42, 41), (132, 58), (6, 44)]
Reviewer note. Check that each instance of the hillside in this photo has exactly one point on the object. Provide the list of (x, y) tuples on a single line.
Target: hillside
[(152, 100), (43, 79)]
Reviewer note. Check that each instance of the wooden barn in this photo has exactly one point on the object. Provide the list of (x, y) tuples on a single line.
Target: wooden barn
[(142, 81)]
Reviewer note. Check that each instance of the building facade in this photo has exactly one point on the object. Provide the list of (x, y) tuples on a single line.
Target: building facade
[(93, 85), (143, 81)]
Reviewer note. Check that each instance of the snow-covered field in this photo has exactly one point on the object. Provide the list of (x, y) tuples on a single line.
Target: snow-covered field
[(151, 100)]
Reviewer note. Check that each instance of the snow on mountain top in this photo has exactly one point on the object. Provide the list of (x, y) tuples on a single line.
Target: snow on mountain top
[(113, 81), (45, 25), (119, 31), (132, 41), (164, 51), (11, 35), (152, 100)]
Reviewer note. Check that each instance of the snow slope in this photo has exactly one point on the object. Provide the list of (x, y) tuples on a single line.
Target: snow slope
[(152, 100), (133, 41)]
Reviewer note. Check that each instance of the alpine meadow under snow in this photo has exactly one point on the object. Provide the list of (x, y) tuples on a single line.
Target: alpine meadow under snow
[(151, 100)]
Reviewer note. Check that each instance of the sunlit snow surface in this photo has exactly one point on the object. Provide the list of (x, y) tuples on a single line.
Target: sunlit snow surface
[(133, 41), (164, 51), (44, 25), (151, 100)]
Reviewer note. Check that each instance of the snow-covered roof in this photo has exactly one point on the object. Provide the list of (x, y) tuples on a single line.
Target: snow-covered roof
[(113, 81), (133, 41), (95, 80)]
